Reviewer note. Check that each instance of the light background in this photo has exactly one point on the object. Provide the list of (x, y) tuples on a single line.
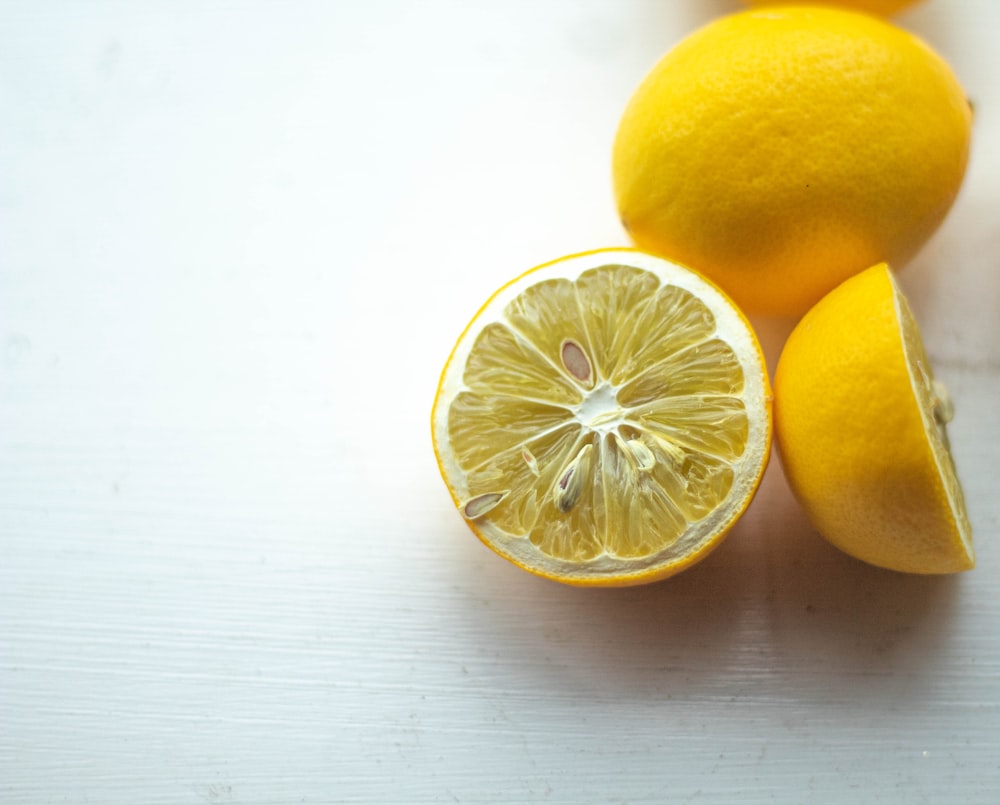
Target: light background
[(237, 241)]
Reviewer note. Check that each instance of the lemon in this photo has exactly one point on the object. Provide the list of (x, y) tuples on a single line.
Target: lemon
[(604, 419), (780, 151), (861, 429), (885, 8)]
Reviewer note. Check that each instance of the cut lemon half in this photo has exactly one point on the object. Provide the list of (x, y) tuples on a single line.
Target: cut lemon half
[(861, 426), (604, 419)]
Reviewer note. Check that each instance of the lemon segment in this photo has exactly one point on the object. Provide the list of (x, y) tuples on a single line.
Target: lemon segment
[(604, 419)]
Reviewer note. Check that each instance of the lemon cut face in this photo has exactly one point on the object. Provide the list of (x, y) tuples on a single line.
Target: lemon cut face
[(604, 419)]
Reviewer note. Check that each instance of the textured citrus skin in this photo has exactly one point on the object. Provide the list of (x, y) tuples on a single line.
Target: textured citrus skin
[(779, 151), (853, 442), (885, 8)]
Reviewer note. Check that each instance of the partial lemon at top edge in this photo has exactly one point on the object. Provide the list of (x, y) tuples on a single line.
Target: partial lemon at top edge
[(604, 419), (884, 8), (861, 422)]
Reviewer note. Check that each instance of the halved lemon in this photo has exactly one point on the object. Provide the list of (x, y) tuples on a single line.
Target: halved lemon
[(861, 427), (604, 419)]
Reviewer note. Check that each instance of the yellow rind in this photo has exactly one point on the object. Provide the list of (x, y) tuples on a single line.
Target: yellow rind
[(854, 437)]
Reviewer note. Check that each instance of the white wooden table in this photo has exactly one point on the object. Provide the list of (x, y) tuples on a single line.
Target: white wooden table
[(237, 241)]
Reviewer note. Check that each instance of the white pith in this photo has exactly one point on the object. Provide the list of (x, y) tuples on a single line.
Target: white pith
[(600, 411)]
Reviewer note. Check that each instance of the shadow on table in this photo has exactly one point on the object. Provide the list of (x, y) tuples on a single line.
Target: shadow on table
[(774, 598)]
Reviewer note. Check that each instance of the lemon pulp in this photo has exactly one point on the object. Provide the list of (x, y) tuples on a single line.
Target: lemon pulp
[(602, 418), (936, 410)]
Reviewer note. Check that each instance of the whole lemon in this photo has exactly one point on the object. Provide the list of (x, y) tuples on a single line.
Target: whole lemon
[(780, 151)]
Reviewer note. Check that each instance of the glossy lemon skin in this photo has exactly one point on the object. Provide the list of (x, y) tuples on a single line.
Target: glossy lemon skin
[(780, 151)]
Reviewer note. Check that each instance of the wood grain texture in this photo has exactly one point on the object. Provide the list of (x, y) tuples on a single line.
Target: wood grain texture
[(236, 246)]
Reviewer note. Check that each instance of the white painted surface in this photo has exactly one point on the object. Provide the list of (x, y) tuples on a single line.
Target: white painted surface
[(237, 241)]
